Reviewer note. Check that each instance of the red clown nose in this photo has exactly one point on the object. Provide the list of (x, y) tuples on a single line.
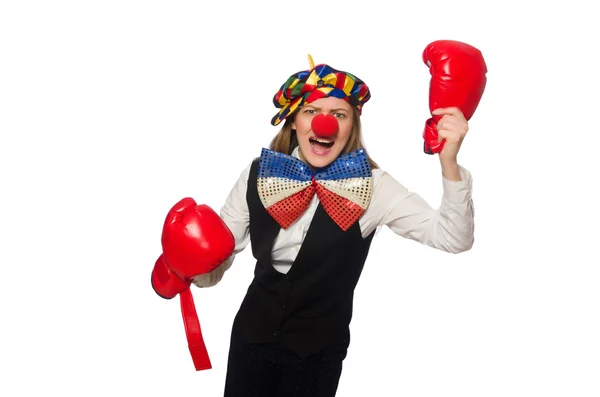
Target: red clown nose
[(324, 125)]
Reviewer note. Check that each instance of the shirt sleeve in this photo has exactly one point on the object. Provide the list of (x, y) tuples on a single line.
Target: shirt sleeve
[(235, 212), (449, 228), (236, 216)]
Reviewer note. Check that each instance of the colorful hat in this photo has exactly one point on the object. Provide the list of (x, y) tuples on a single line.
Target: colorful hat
[(320, 81)]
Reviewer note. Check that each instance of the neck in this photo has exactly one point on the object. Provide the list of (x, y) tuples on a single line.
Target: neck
[(304, 160)]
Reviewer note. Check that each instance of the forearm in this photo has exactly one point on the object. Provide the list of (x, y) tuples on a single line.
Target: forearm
[(454, 227), (455, 220), (450, 169)]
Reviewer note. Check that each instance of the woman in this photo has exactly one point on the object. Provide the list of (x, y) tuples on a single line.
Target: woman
[(309, 206)]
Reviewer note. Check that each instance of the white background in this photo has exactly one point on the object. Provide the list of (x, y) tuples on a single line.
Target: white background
[(112, 111)]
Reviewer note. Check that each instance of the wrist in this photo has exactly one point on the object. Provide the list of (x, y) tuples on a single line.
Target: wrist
[(451, 169)]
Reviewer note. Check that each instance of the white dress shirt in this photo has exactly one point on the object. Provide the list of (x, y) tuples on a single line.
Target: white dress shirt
[(449, 228)]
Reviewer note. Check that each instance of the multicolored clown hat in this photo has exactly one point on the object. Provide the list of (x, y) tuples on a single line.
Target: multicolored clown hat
[(318, 82)]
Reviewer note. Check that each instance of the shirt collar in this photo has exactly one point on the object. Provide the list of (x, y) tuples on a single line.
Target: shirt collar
[(296, 152)]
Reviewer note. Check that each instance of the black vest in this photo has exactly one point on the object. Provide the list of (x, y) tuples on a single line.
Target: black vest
[(310, 307)]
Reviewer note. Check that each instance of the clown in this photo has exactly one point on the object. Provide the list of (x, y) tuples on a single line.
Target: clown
[(309, 206)]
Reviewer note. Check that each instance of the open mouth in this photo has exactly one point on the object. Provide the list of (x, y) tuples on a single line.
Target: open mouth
[(320, 146)]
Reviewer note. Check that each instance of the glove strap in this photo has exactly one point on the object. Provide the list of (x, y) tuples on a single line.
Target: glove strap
[(193, 331), (430, 136)]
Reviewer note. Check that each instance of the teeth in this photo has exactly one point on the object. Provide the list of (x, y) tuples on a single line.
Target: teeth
[(321, 141)]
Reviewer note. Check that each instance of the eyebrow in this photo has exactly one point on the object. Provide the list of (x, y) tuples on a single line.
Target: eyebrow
[(332, 110)]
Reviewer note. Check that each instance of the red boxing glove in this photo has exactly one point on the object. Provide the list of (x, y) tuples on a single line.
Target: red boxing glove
[(458, 79), (195, 241)]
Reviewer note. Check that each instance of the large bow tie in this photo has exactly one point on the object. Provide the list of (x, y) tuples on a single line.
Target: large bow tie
[(286, 186)]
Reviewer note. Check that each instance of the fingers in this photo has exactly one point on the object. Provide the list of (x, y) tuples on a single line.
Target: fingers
[(452, 128), (448, 135), (453, 111), (453, 124)]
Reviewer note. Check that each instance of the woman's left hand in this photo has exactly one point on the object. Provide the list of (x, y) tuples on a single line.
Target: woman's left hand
[(452, 127)]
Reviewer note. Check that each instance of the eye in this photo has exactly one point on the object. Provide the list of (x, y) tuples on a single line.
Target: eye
[(339, 115), (310, 111)]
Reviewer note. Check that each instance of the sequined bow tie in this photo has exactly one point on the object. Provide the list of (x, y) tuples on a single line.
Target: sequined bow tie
[(286, 186)]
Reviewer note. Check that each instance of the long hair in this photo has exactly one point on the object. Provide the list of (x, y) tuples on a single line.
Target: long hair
[(286, 141)]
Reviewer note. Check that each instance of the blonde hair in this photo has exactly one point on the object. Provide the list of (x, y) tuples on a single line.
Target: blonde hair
[(285, 141)]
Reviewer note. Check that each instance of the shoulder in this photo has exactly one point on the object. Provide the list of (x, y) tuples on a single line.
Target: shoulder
[(382, 177), (377, 174), (248, 167), (245, 174), (384, 184)]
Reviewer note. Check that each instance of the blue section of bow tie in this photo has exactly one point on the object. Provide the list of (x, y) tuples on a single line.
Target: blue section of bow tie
[(279, 165), (350, 165)]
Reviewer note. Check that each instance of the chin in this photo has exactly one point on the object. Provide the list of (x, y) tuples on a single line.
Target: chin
[(319, 160)]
